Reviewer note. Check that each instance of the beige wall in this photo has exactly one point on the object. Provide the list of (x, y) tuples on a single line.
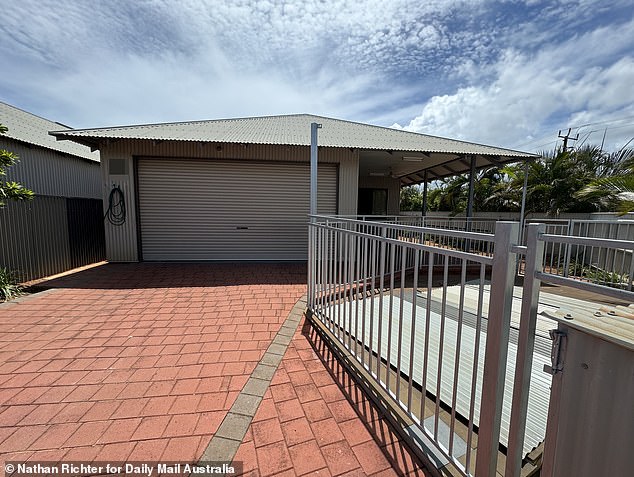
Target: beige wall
[(121, 241), (393, 190)]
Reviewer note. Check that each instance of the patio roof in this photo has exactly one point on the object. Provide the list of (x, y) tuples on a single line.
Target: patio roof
[(438, 156)]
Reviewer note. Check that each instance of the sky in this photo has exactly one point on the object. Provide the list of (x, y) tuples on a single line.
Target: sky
[(509, 73)]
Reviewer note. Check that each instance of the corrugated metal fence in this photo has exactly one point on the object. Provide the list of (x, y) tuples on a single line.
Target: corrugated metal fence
[(51, 235)]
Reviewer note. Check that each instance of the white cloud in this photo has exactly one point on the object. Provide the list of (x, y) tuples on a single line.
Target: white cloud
[(152, 61), (534, 95), (133, 89), (492, 71)]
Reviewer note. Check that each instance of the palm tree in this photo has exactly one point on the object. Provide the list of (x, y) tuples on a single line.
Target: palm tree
[(553, 181), (554, 184), (453, 193), (617, 188)]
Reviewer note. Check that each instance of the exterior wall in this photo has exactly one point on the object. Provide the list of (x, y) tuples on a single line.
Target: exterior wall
[(122, 241), (393, 187), (51, 173), (349, 185)]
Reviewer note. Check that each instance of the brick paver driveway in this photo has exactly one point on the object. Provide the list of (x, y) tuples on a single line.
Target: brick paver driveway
[(141, 362)]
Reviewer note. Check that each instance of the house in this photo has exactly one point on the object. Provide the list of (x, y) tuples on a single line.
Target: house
[(238, 189), (62, 228)]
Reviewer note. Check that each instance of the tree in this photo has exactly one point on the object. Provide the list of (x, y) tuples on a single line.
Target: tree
[(411, 199), (10, 190), (452, 194), (615, 188), (555, 182)]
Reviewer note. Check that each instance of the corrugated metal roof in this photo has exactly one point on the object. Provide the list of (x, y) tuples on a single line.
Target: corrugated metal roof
[(291, 130), (32, 129)]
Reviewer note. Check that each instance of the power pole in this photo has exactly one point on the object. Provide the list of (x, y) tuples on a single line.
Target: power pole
[(567, 137)]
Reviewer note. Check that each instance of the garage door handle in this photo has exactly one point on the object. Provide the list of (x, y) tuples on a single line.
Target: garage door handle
[(242, 228)]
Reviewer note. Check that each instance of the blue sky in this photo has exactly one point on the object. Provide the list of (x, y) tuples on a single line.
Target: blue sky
[(509, 73)]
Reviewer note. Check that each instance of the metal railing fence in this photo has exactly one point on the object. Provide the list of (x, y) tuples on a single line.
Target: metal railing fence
[(592, 260), (413, 229), (614, 253), (585, 261), (381, 289), (371, 284), (474, 224), (537, 272)]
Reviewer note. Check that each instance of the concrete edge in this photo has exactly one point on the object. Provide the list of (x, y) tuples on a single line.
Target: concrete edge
[(25, 297), (224, 445)]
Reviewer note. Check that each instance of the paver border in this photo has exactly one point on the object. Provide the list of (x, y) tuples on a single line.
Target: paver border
[(26, 297), (226, 441)]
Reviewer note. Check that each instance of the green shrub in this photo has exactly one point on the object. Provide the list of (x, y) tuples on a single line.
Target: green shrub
[(605, 277), (9, 287)]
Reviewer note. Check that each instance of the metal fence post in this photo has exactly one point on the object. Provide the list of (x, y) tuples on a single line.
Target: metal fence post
[(499, 320), (525, 345), (568, 250), (311, 265)]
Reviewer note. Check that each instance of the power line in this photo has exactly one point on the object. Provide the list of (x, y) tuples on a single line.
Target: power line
[(537, 148), (583, 141), (541, 138), (605, 132), (533, 141), (607, 121), (595, 123)]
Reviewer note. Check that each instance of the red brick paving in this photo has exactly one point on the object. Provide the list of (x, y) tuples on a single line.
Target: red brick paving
[(322, 426), (142, 362), (135, 361)]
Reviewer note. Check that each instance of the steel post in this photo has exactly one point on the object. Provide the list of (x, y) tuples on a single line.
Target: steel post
[(313, 204), (499, 321), (525, 345)]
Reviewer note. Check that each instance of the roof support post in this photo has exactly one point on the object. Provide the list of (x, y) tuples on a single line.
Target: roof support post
[(424, 211), (312, 231), (313, 168), (472, 174)]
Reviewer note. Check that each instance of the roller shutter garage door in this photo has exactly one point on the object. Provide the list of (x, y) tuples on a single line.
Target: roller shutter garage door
[(212, 210)]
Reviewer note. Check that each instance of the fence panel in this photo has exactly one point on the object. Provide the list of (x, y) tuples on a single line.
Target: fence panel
[(85, 231), (375, 286), (50, 235), (383, 289)]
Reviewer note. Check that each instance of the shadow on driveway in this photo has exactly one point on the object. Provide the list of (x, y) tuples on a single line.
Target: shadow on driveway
[(180, 275)]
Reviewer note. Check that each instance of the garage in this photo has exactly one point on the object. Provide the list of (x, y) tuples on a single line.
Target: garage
[(238, 188), (196, 209)]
